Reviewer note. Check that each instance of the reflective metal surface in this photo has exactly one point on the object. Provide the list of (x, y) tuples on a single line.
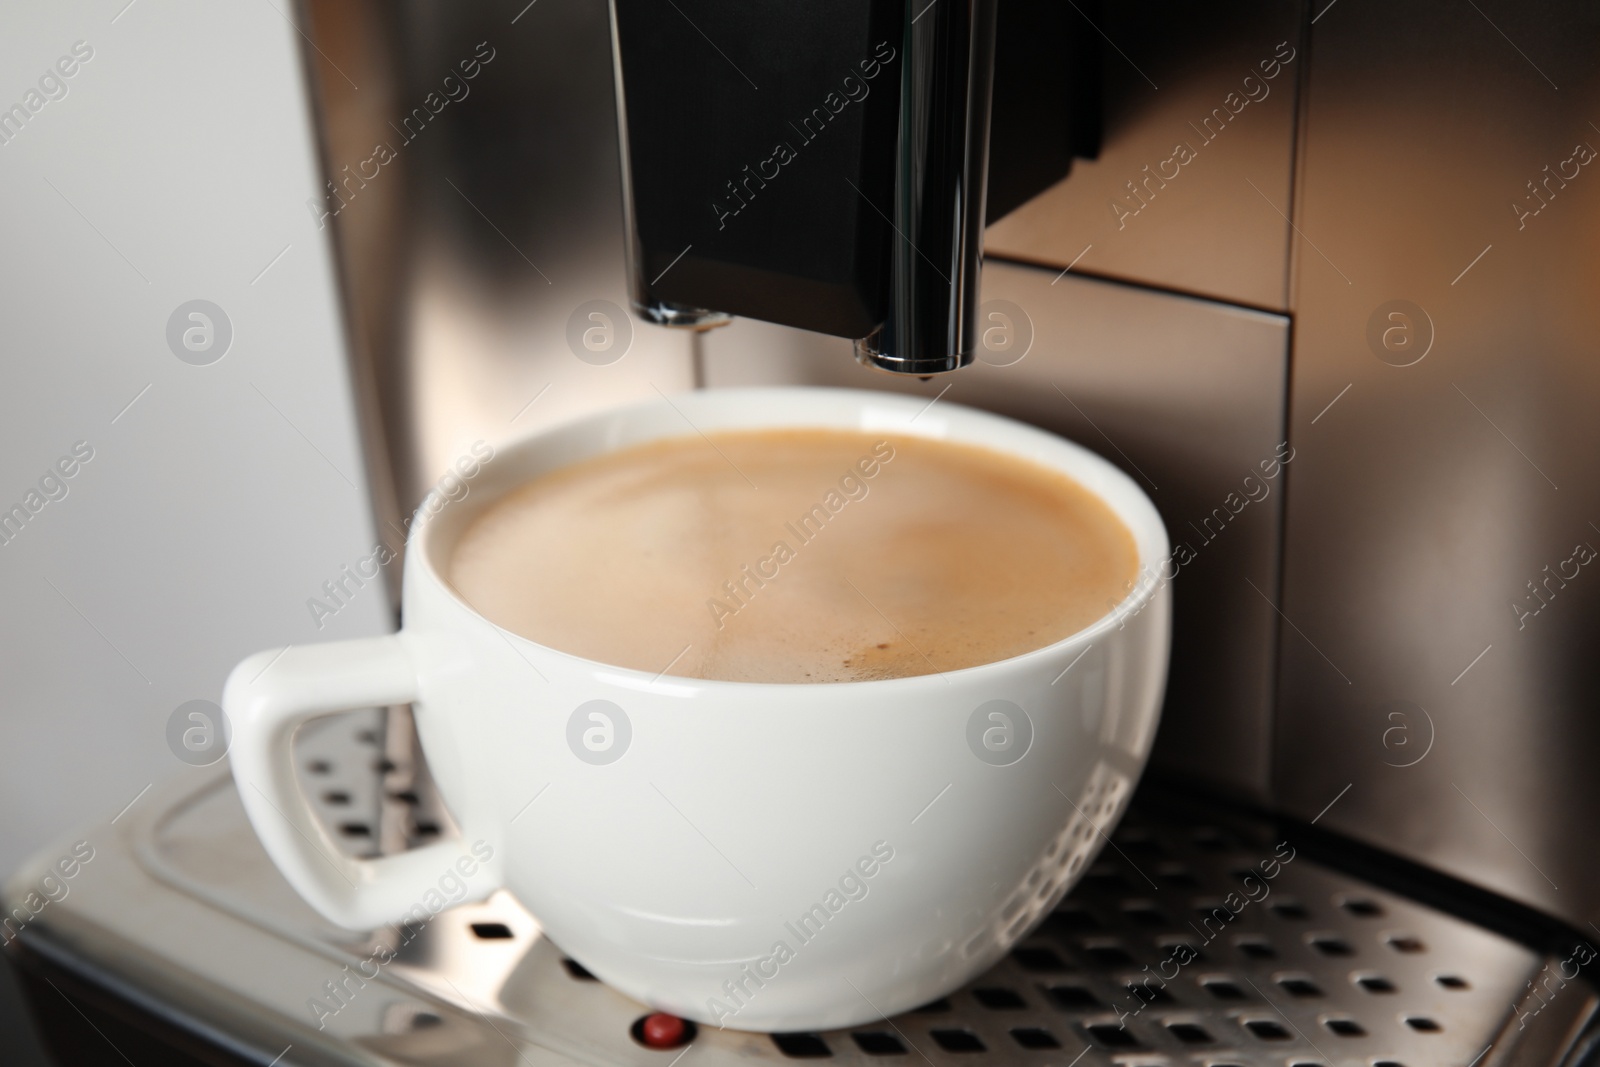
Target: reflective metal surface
[(1440, 624), (1192, 183), (484, 264), (1196, 940)]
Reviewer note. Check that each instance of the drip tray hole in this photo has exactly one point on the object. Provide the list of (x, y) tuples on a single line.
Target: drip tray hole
[(492, 931), (876, 1043), (958, 1041), (802, 1046)]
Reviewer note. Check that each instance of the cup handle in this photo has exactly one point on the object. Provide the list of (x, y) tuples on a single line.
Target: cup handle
[(266, 698)]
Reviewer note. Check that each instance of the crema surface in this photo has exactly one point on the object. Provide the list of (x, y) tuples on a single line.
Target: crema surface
[(796, 556)]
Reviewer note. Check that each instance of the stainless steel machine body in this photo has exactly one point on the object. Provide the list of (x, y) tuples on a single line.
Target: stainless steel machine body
[(1404, 613)]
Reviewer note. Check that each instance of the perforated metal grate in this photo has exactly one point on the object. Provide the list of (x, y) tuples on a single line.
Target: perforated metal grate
[(1197, 943), (364, 778), (1212, 946), (1189, 943), (1202, 946), (342, 762)]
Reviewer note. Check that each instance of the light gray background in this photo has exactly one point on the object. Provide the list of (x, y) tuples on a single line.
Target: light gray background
[(180, 160)]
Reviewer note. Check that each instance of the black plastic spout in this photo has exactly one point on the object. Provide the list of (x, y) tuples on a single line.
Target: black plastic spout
[(941, 171), (824, 165)]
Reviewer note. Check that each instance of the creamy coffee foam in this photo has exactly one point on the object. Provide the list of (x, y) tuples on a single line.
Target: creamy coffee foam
[(796, 556)]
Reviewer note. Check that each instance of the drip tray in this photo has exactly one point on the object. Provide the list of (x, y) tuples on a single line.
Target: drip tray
[(1195, 940)]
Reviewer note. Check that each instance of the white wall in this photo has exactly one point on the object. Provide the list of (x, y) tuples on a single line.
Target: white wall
[(176, 167)]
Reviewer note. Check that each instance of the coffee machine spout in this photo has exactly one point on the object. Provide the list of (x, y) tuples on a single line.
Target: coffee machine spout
[(940, 175), (822, 166)]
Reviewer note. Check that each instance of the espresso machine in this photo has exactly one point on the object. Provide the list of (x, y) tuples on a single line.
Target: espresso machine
[(1317, 275)]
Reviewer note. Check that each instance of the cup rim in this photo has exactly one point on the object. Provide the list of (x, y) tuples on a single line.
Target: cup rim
[(1136, 512)]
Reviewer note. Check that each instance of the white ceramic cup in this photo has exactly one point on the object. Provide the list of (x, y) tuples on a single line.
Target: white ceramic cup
[(758, 856)]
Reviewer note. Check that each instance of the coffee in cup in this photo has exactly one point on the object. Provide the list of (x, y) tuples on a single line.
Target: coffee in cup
[(798, 556)]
